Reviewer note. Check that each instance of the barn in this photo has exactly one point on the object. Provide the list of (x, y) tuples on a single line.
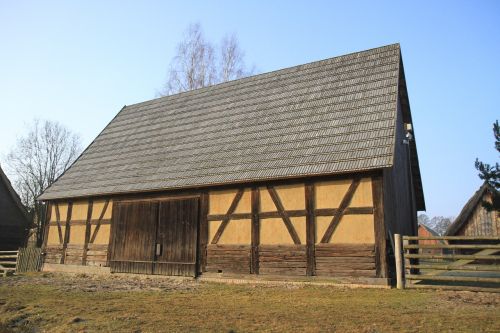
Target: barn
[(474, 219), (14, 220), (304, 171), (425, 231)]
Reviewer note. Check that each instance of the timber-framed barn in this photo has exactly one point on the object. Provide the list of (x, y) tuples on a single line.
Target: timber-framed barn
[(304, 171)]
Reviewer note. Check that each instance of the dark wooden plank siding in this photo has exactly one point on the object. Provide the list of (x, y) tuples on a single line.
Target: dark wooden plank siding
[(283, 259), (134, 237), (177, 231), (53, 254), (228, 258), (356, 260), (399, 199)]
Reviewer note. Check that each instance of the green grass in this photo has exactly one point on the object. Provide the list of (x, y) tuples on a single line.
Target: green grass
[(243, 308)]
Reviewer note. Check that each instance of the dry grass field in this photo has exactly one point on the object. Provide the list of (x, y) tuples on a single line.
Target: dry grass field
[(46, 302)]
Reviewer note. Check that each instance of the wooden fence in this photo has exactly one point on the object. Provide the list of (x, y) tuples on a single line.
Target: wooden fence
[(30, 259), (27, 259), (448, 262), (8, 260)]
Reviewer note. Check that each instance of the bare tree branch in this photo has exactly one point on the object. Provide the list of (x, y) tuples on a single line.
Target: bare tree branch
[(37, 159), (197, 65)]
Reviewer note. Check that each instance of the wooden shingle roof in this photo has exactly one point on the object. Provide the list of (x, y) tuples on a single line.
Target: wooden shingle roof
[(331, 116)]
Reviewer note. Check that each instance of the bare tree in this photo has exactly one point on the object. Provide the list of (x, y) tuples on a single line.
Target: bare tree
[(438, 223), (231, 63), (197, 64), (35, 162)]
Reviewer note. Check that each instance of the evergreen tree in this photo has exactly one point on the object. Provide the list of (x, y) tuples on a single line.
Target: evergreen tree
[(491, 173)]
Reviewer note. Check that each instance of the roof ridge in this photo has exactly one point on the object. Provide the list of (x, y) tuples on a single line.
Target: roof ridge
[(209, 136), (388, 46)]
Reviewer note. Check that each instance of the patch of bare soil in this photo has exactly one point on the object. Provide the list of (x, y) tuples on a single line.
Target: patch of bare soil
[(97, 283), (472, 298)]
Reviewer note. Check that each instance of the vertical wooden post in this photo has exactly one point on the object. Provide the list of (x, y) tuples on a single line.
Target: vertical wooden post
[(48, 215), (112, 230), (88, 226), (310, 229), (381, 265), (203, 233), (67, 231), (254, 265), (399, 261)]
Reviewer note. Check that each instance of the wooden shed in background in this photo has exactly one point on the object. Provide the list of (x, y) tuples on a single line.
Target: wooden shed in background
[(476, 220), (14, 220), (304, 171)]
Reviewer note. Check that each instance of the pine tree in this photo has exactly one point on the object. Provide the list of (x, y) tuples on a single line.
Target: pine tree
[(491, 173)]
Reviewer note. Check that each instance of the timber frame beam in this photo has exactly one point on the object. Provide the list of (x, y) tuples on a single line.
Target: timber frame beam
[(342, 207), (98, 225), (58, 222), (87, 231), (282, 212), (67, 231), (310, 229), (381, 266), (227, 217), (294, 213)]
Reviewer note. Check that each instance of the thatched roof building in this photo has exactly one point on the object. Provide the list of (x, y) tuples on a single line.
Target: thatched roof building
[(476, 220)]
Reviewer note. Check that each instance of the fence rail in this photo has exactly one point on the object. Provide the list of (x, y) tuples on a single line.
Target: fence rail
[(8, 260), (27, 259), (448, 262)]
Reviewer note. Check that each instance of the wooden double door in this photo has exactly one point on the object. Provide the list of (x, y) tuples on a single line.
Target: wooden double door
[(155, 237)]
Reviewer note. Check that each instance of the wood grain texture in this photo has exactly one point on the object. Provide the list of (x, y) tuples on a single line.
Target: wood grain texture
[(176, 236), (58, 220), (134, 236), (228, 258), (283, 259), (381, 259), (87, 231), (357, 260), (203, 232), (48, 216), (254, 268), (310, 228), (67, 230)]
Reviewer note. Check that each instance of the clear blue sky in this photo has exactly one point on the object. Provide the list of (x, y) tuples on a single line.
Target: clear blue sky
[(79, 62)]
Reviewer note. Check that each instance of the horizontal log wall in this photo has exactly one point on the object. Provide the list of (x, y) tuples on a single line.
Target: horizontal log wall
[(53, 254), (357, 260), (228, 258), (97, 254), (282, 259)]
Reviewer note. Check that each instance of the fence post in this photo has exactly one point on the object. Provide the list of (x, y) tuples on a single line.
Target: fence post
[(399, 261)]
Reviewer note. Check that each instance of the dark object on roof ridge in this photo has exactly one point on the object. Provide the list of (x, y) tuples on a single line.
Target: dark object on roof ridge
[(468, 209), (326, 117)]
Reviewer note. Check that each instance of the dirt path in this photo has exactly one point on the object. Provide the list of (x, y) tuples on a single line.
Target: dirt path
[(99, 283)]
